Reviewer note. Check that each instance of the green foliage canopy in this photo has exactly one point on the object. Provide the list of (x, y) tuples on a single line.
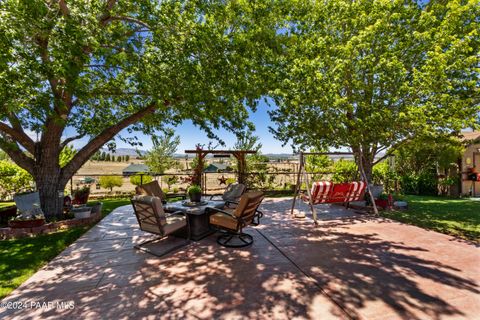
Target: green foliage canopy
[(370, 75), (91, 68)]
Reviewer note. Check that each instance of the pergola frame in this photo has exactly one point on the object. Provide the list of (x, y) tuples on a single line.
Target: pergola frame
[(201, 154)]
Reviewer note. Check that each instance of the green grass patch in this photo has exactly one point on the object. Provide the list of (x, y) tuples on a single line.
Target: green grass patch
[(21, 258), (458, 217), (6, 204)]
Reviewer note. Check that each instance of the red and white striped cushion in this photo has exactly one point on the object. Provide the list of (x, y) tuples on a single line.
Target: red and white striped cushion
[(357, 191), (321, 191)]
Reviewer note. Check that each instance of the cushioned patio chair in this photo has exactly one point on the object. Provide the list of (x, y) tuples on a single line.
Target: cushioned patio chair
[(152, 218), (232, 220), (232, 193), (151, 189)]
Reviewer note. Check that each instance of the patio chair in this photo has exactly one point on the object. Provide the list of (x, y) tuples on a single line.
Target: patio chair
[(27, 202), (232, 220), (232, 193), (151, 189), (152, 218)]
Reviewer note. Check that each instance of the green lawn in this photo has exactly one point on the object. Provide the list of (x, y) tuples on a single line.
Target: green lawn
[(459, 217), (6, 204), (21, 258)]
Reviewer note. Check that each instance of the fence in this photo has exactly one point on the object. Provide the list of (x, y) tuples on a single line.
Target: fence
[(178, 182)]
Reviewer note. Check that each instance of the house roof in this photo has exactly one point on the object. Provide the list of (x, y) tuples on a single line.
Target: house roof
[(471, 136), (136, 168), (214, 167)]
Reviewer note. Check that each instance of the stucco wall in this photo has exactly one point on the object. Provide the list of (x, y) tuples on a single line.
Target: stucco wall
[(474, 155)]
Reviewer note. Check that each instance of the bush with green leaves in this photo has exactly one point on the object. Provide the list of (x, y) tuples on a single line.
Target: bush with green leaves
[(170, 181), (383, 175), (138, 179), (13, 179), (109, 182), (345, 171)]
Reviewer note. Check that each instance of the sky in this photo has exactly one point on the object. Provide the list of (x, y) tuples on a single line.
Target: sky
[(190, 135)]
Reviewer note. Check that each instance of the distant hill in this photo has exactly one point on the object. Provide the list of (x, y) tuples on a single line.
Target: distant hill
[(124, 152)]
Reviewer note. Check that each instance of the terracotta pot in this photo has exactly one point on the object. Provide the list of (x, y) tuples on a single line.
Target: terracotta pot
[(26, 223)]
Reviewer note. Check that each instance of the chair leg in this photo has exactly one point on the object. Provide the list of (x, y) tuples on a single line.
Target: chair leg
[(228, 240), (141, 247)]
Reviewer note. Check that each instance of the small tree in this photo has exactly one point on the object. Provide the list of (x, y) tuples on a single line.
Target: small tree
[(109, 182), (107, 158), (170, 181), (119, 159), (160, 158), (138, 179), (127, 158)]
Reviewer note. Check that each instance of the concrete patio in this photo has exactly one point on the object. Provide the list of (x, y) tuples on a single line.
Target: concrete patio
[(350, 266)]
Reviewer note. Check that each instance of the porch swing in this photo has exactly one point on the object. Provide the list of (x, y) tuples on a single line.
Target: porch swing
[(325, 192)]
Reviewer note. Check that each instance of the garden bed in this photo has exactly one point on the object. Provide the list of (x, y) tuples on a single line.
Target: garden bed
[(15, 233)]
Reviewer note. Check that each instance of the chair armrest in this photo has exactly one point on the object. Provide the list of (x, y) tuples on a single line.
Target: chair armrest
[(228, 202), (222, 212)]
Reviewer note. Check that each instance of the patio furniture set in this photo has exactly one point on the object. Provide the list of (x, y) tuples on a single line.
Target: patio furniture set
[(228, 215)]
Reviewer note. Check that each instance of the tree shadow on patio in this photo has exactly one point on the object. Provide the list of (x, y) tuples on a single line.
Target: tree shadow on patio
[(364, 272)]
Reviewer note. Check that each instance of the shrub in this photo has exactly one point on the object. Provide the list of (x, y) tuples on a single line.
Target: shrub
[(383, 175)]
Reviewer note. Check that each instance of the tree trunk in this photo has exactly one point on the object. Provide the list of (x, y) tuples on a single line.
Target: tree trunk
[(51, 189), (365, 166)]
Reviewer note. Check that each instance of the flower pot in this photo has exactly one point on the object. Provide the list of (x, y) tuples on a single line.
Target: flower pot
[(96, 208), (7, 213), (195, 197), (383, 203), (26, 223), (82, 213)]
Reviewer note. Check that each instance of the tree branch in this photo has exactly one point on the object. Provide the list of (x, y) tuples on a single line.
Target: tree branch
[(17, 155), (124, 18), (106, 135), (18, 135), (64, 7), (68, 140)]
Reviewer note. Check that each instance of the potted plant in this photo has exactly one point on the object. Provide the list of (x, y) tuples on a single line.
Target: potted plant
[(28, 219), (96, 208), (195, 193), (82, 212), (80, 195), (383, 200)]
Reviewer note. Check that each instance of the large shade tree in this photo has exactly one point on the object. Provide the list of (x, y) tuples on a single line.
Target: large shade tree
[(92, 69), (370, 75)]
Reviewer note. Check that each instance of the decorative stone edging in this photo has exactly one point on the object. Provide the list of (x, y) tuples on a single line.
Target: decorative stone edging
[(15, 233)]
